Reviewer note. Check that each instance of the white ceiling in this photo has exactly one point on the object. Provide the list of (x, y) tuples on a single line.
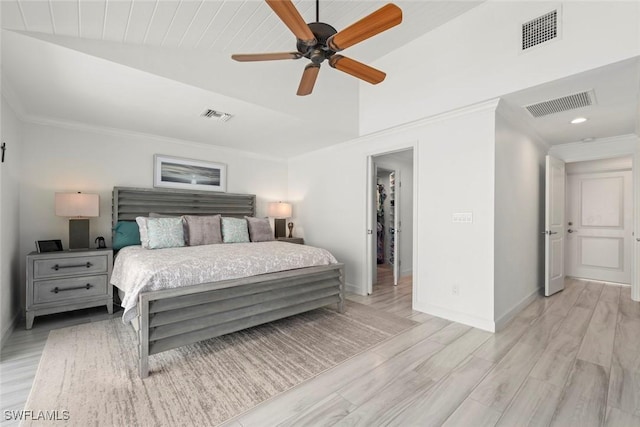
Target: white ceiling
[(617, 92), (155, 66)]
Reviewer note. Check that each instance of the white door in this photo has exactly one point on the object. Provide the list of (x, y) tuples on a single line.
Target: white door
[(554, 225), (600, 226)]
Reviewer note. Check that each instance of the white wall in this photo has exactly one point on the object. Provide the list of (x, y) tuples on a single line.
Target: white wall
[(57, 158), (10, 174), (476, 57), (454, 170), (519, 215)]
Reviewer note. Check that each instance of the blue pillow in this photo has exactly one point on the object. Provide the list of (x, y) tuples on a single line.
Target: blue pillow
[(126, 233)]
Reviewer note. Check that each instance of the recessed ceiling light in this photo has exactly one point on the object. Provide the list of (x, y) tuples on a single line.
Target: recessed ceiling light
[(578, 120), (588, 139)]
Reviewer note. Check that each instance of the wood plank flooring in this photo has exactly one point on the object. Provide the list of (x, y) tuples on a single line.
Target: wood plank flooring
[(571, 359)]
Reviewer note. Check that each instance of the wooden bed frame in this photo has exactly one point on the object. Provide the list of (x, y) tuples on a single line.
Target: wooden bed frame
[(175, 317)]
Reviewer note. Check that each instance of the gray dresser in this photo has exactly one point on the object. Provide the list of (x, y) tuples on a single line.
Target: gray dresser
[(70, 280)]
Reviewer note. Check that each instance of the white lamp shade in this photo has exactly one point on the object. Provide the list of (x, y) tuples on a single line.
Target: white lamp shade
[(280, 210), (77, 205)]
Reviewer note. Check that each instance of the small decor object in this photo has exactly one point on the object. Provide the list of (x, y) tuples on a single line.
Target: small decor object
[(174, 172), (49, 246), (78, 207), (280, 211), (290, 225)]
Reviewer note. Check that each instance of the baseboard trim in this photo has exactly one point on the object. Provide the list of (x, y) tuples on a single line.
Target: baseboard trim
[(350, 287), (604, 282), (10, 329), (456, 316), (505, 318)]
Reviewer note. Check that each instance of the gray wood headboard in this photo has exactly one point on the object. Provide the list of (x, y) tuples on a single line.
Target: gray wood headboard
[(128, 203)]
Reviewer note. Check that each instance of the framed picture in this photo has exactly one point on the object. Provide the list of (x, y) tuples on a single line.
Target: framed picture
[(187, 174), (49, 246)]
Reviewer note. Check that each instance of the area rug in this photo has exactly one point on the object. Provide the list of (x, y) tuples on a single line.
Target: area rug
[(88, 373)]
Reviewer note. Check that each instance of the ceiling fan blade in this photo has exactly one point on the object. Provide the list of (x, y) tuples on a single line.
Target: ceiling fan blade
[(308, 79), (357, 69), (247, 57), (386, 17), (288, 13)]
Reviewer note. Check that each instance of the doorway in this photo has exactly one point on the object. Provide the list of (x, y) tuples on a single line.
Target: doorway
[(594, 211), (599, 208), (390, 212)]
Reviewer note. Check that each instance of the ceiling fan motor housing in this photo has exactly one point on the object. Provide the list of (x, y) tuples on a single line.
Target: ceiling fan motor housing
[(320, 51)]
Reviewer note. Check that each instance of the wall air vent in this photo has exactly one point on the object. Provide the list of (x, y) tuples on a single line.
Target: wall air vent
[(218, 115), (540, 30), (565, 103)]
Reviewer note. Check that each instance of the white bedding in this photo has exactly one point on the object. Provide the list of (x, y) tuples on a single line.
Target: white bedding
[(138, 270)]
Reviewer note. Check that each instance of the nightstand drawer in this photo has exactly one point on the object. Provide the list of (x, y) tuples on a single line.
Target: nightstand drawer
[(69, 266), (69, 289)]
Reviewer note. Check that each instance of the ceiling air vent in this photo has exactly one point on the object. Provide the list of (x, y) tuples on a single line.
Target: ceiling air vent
[(565, 103), (213, 114), (540, 30)]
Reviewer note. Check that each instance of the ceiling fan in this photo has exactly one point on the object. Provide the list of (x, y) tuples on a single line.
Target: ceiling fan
[(318, 41)]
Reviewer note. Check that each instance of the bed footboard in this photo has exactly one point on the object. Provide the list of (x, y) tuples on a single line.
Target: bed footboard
[(175, 317)]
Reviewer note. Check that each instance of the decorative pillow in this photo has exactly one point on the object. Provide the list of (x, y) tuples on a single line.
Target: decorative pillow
[(142, 229), (165, 233), (202, 230), (259, 229), (126, 233), (234, 230)]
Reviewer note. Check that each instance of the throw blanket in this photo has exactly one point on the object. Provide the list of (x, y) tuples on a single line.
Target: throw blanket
[(139, 270)]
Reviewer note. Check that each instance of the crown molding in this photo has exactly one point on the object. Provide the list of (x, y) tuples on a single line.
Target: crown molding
[(491, 104)]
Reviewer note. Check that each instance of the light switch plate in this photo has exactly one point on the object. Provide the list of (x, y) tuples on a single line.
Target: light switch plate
[(462, 217)]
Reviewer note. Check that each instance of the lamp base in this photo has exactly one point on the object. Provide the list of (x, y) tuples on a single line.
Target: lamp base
[(78, 234), (280, 226)]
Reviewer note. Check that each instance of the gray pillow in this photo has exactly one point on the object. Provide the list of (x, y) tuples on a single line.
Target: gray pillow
[(259, 229), (202, 230)]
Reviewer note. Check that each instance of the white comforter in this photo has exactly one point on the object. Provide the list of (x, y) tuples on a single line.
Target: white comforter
[(138, 270)]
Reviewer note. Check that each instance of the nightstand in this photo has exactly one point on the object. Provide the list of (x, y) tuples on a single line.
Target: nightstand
[(297, 240), (70, 280)]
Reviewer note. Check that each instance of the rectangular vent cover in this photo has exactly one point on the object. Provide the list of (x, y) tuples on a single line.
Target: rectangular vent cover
[(565, 103), (213, 114), (540, 30)]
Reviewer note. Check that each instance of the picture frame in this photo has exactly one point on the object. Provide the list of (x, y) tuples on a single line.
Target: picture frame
[(189, 174), (49, 246)]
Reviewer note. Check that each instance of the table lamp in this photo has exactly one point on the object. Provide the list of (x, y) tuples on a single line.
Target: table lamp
[(280, 211), (78, 207)]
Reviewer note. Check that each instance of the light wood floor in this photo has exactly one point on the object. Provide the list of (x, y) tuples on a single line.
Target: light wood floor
[(571, 359)]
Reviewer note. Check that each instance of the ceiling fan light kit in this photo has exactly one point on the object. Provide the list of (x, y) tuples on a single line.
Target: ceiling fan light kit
[(318, 42)]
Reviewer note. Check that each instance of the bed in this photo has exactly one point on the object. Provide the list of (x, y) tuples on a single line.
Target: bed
[(181, 315)]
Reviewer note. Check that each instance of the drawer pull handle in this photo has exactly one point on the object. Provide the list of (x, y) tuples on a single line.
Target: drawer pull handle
[(57, 289), (58, 267)]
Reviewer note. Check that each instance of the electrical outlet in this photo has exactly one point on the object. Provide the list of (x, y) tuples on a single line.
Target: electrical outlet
[(455, 290)]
